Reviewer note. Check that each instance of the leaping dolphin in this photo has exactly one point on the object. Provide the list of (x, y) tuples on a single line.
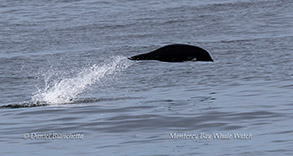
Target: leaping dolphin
[(176, 53)]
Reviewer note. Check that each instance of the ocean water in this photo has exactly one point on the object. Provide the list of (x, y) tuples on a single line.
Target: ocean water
[(67, 87)]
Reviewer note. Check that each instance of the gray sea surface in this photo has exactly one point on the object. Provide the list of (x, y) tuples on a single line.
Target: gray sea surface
[(67, 87)]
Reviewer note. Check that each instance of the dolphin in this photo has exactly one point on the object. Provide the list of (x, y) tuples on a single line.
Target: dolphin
[(176, 53)]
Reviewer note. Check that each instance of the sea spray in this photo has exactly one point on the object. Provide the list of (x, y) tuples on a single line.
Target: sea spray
[(64, 90)]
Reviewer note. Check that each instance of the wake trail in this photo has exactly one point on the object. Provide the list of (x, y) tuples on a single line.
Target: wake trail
[(67, 89)]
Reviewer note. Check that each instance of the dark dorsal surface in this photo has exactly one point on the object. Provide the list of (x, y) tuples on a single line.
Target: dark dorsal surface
[(176, 53)]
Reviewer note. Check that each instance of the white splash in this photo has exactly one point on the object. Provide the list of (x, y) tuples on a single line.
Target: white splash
[(65, 90)]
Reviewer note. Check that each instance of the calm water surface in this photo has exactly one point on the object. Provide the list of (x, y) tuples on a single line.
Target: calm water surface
[(64, 70)]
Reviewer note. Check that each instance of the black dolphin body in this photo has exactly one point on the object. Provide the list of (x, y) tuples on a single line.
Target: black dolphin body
[(176, 53)]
